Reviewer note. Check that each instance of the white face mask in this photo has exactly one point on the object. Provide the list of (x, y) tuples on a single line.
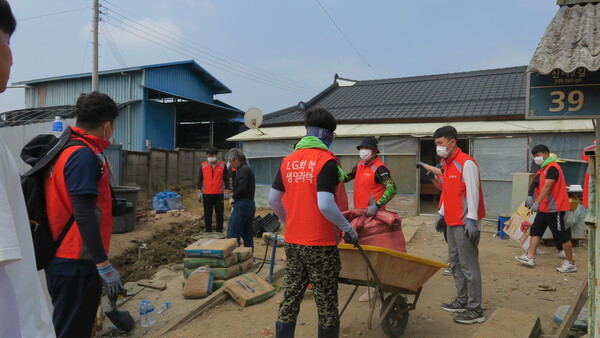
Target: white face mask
[(538, 160), (365, 153), (212, 159), (441, 151)]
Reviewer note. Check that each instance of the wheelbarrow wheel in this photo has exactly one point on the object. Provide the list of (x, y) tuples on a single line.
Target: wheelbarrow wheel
[(396, 320)]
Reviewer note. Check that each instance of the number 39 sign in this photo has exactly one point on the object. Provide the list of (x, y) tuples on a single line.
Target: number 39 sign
[(561, 95)]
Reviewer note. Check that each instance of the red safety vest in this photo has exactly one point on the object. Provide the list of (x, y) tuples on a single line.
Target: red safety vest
[(212, 177), (306, 225), (558, 198), (365, 185), (454, 190), (60, 206)]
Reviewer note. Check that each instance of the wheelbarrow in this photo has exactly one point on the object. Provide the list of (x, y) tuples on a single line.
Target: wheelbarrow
[(398, 274)]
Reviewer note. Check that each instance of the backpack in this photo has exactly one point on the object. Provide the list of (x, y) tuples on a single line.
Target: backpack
[(40, 153)]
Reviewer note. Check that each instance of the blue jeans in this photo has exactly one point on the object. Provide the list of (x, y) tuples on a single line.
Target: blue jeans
[(240, 222)]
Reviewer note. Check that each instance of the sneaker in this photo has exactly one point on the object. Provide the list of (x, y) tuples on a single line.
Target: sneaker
[(470, 317), (368, 295), (454, 306), (447, 272), (561, 254), (567, 267), (539, 251), (525, 260)]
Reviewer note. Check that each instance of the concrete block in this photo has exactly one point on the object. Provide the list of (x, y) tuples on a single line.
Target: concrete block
[(509, 323)]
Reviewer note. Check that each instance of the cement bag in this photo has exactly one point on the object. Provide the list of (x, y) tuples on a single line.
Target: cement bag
[(217, 284), (234, 270), (248, 289), (219, 248), (199, 284), (238, 255)]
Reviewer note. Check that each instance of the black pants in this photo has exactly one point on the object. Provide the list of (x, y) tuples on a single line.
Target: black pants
[(211, 201), (75, 300)]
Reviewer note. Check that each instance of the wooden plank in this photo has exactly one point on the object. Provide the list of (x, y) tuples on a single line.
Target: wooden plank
[(158, 285), (571, 316), (510, 323)]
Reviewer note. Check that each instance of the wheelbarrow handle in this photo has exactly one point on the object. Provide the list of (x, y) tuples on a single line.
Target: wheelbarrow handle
[(371, 268)]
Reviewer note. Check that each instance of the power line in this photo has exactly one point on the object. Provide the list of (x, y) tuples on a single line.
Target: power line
[(347, 39), (219, 57), (187, 53), (51, 14), (112, 45)]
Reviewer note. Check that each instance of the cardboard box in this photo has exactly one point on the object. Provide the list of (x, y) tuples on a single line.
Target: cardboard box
[(248, 289), (517, 227), (219, 248), (199, 283)]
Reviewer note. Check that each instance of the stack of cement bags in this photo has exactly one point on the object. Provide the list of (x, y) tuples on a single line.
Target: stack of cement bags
[(225, 258)]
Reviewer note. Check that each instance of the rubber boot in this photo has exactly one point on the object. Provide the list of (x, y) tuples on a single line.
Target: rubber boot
[(329, 332), (284, 330)]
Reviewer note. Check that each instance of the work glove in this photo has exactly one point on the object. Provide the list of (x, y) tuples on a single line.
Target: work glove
[(372, 210), (535, 207), (420, 164), (471, 229), (351, 236), (529, 202), (112, 281), (226, 195), (430, 175), (440, 223), (199, 196)]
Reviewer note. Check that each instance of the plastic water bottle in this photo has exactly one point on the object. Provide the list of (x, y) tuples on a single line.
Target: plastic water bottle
[(143, 314), (57, 126), (151, 313), (162, 307)]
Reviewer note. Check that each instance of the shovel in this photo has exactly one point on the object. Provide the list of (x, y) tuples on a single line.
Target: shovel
[(121, 319)]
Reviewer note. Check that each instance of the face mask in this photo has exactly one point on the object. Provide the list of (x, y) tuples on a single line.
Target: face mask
[(364, 153), (212, 159), (538, 160), (441, 151)]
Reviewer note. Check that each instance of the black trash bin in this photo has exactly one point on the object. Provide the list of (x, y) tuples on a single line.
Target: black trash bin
[(127, 196)]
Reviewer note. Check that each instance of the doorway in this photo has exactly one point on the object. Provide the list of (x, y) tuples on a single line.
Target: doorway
[(429, 195)]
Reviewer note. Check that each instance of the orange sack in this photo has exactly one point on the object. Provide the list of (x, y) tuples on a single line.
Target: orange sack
[(383, 230)]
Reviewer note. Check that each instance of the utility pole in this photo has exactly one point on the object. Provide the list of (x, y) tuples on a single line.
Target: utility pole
[(96, 18)]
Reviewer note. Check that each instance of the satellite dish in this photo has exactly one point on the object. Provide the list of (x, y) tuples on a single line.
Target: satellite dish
[(253, 118)]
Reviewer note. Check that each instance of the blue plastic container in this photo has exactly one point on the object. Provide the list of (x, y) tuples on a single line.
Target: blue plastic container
[(501, 233)]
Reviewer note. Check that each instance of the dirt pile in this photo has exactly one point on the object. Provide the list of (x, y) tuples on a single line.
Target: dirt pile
[(165, 247)]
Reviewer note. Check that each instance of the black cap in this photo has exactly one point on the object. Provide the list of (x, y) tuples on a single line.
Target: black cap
[(369, 142)]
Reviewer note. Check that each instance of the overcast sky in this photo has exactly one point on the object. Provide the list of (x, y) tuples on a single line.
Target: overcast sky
[(275, 53)]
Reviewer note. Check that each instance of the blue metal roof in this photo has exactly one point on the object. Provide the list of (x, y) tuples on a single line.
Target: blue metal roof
[(215, 85)]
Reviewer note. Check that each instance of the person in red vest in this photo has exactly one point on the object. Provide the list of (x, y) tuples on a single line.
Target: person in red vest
[(303, 197), (77, 186), (373, 183), (550, 202), (373, 186), (462, 209), (213, 188)]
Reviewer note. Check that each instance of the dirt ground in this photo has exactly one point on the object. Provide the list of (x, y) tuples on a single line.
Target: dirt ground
[(506, 284)]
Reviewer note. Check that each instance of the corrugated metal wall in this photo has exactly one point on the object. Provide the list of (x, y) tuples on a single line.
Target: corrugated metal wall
[(160, 124), (16, 137), (65, 92), (178, 80), (135, 141)]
